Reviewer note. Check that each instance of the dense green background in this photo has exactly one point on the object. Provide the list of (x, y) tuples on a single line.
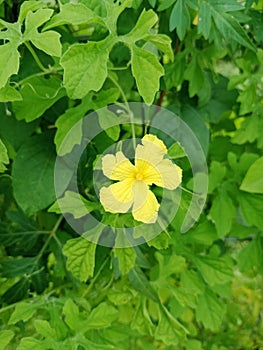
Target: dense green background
[(202, 59)]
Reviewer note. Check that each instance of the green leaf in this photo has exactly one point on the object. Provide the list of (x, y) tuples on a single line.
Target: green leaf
[(27, 6), (204, 19), (44, 93), (210, 310), (126, 258), (74, 14), (5, 337), (85, 68), (204, 233), (216, 175), (140, 283), (180, 18), (36, 159), (229, 27), (214, 270), (23, 312), (102, 316), (72, 317), (32, 343), (46, 41), (163, 42), (8, 53), (44, 328), (250, 257), (9, 94), (195, 75), (80, 255), (147, 71), (253, 181), (251, 207), (249, 130), (17, 267), (145, 22), (222, 213), (106, 119), (4, 159), (75, 204), (169, 330)]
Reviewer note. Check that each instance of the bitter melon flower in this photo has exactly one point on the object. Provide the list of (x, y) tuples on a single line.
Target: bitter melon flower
[(132, 191)]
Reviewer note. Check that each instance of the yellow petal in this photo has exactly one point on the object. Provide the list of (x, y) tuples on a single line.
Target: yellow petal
[(145, 205), (117, 198), (117, 167), (165, 174), (151, 151), (155, 141)]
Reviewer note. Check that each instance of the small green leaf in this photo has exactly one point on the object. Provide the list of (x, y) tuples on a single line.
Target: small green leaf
[(31, 343), (251, 207), (9, 94), (23, 312), (85, 68), (195, 75), (253, 181), (107, 119), (222, 212), (216, 175), (140, 283), (126, 258), (44, 328), (147, 71), (44, 93), (10, 54), (71, 312), (5, 337), (163, 42), (74, 14), (204, 19), (4, 159), (80, 255), (75, 204), (180, 18), (27, 6), (210, 310), (250, 257), (102, 316), (145, 22), (46, 41), (36, 158)]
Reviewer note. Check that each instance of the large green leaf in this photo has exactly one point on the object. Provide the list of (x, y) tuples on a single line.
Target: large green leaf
[(147, 71), (85, 68), (80, 255), (44, 93), (36, 159), (253, 181)]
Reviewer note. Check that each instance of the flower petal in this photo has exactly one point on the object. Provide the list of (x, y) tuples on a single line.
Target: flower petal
[(118, 197), (165, 174), (145, 205), (117, 167), (152, 151)]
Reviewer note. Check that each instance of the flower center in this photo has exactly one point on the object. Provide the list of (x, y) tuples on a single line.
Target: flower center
[(139, 176)]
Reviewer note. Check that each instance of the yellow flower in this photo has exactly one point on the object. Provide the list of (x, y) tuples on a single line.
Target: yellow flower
[(132, 188)]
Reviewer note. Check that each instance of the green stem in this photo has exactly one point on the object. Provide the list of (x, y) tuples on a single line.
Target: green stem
[(37, 60), (52, 70), (127, 108), (192, 193)]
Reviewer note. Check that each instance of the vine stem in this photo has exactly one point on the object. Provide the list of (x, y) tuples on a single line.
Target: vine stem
[(127, 108), (35, 56)]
